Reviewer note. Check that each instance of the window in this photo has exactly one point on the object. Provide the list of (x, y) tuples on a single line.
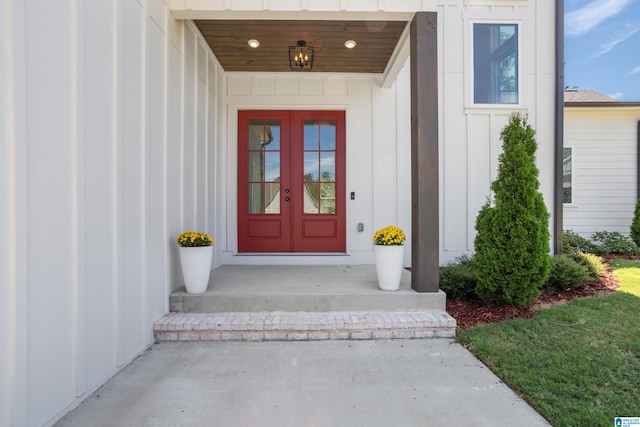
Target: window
[(495, 63), (566, 176)]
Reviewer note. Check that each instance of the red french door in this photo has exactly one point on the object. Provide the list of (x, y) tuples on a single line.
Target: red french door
[(291, 189)]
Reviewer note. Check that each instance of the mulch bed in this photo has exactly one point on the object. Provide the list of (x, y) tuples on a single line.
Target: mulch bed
[(470, 313)]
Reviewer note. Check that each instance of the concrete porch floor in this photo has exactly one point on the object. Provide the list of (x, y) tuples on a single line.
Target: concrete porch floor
[(292, 288), (303, 303)]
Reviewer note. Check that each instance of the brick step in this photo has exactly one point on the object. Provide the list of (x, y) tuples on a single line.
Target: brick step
[(304, 326)]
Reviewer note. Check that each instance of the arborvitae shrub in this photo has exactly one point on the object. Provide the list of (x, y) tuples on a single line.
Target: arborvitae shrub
[(512, 242), (635, 225)]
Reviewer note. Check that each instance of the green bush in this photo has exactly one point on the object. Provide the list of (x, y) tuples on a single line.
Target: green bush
[(512, 242), (458, 280), (566, 273), (593, 263), (572, 241), (614, 243), (635, 225)]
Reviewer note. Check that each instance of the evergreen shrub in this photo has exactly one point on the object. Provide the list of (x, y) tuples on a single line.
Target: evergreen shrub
[(635, 225), (458, 279), (566, 273), (512, 258), (594, 264), (614, 243)]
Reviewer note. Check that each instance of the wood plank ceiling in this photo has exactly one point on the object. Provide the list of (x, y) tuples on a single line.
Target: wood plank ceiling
[(376, 41)]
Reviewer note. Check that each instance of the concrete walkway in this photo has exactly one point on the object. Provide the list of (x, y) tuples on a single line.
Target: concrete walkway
[(432, 382)]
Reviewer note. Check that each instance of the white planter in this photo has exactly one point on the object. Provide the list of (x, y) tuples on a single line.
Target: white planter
[(389, 266), (196, 266)]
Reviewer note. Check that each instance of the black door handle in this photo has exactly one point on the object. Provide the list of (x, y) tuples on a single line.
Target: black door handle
[(286, 191), (286, 199)]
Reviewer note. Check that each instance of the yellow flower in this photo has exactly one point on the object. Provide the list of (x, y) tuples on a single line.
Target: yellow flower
[(389, 236), (190, 238)]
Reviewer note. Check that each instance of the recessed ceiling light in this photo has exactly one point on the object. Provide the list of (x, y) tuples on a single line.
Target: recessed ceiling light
[(350, 44), (253, 43)]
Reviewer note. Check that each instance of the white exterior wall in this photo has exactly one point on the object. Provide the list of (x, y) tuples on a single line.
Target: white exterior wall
[(107, 114), (470, 135), (604, 144)]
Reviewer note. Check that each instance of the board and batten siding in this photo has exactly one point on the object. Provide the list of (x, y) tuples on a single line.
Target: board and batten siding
[(108, 121), (604, 144), (378, 150)]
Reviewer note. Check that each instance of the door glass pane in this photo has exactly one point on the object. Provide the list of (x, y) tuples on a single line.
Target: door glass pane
[(264, 198), (311, 135), (264, 167), (311, 198), (327, 166), (320, 166), (272, 166), (311, 166), (264, 135), (327, 198), (328, 135)]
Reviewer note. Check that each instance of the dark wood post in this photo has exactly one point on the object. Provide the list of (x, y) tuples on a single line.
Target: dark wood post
[(558, 207), (425, 224)]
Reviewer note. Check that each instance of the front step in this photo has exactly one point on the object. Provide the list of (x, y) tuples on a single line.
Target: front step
[(304, 326), (292, 288)]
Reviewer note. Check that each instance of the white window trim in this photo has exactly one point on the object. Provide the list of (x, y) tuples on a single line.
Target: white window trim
[(471, 82), (573, 177)]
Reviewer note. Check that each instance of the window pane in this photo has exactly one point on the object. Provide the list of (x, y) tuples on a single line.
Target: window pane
[(495, 63), (327, 166), (566, 176), (264, 198), (327, 198), (311, 166), (328, 135), (311, 198), (311, 136), (264, 166), (264, 135)]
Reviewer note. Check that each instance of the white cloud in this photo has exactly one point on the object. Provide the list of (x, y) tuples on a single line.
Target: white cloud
[(628, 31), (616, 95), (583, 20), (635, 70)]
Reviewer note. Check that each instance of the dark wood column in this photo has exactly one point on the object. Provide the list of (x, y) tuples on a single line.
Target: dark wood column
[(425, 224)]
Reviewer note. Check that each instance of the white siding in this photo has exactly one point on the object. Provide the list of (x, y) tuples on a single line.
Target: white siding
[(604, 144), (97, 129), (470, 135)]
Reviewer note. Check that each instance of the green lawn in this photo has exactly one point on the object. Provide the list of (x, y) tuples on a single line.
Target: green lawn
[(577, 364)]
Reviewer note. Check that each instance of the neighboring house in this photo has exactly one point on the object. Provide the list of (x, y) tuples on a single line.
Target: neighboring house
[(601, 139), (125, 122)]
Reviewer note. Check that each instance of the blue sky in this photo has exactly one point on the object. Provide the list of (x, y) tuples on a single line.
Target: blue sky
[(602, 47)]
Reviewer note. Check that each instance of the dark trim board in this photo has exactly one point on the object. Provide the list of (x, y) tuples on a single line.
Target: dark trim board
[(559, 130), (425, 222)]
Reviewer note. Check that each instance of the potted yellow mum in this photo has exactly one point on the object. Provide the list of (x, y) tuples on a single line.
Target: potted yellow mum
[(389, 253), (196, 250)]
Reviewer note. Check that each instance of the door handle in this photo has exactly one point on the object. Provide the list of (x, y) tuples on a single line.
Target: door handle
[(286, 199), (286, 190)]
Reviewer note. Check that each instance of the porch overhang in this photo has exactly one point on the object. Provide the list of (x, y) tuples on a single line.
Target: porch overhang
[(382, 48)]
